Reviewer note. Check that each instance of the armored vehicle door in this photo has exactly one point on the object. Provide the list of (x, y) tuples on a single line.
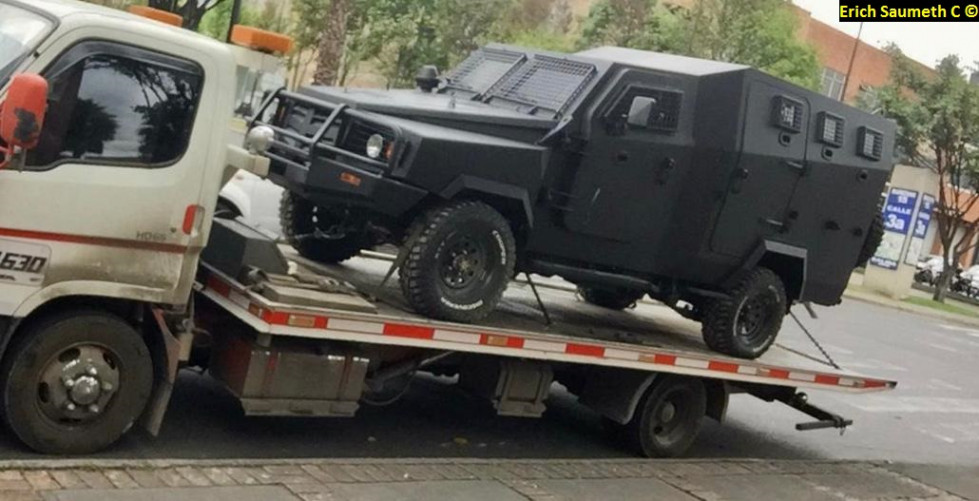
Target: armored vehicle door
[(638, 142), (772, 160)]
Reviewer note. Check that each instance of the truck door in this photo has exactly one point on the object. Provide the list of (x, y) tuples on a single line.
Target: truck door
[(761, 184), (109, 201), (622, 189)]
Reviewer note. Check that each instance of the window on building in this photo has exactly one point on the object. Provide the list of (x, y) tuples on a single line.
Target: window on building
[(118, 105), (832, 84)]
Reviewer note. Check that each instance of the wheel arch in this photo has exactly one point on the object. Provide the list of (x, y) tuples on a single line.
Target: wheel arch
[(510, 200), (787, 261)]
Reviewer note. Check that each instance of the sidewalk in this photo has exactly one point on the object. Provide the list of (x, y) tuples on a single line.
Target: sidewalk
[(489, 480), (860, 294)]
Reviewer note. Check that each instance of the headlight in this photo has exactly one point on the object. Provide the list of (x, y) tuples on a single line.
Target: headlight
[(375, 146), (259, 139)]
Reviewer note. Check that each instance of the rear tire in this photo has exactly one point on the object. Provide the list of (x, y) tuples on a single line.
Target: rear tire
[(875, 234), (460, 260), (613, 299), (746, 323), (668, 417), (300, 219), (74, 383)]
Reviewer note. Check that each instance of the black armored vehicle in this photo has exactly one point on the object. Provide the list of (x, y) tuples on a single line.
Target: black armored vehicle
[(712, 187)]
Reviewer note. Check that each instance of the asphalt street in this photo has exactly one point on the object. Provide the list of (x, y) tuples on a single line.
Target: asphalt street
[(933, 415)]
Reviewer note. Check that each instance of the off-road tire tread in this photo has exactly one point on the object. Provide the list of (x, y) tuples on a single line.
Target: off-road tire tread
[(414, 290), (296, 218), (717, 324), (875, 234)]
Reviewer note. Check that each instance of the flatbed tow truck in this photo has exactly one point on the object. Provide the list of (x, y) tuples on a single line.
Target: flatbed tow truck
[(107, 294)]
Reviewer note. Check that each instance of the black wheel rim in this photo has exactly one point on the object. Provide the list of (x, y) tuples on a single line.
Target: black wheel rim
[(463, 261), (754, 317), (671, 418), (78, 384)]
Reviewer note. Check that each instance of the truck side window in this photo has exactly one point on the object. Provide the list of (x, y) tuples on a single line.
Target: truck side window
[(645, 108), (111, 104)]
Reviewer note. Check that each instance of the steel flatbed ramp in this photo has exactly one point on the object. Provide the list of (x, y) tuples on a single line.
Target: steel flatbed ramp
[(650, 337)]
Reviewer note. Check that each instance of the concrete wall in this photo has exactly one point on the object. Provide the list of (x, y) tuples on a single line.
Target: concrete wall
[(897, 283)]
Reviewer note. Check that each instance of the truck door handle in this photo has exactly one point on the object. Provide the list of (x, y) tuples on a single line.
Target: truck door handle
[(740, 175), (799, 166), (669, 164)]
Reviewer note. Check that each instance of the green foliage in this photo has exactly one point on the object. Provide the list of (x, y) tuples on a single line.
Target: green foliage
[(759, 33), (403, 35), (624, 23), (544, 39), (215, 22)]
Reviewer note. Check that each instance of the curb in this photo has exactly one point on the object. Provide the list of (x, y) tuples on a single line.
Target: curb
[(922, 311), (92, 464)]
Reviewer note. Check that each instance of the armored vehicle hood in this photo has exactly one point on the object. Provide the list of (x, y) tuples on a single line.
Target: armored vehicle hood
[(416, 104)]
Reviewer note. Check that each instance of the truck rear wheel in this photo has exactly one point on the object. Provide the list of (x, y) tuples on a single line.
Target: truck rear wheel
[(75, 383), (613, 299), (875, 234), (460, 260), (745, 323), (332, 243), (668, 417)]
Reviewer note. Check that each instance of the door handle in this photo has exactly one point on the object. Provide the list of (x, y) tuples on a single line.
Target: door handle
[(740, 175), (665, 170), (798, 166)]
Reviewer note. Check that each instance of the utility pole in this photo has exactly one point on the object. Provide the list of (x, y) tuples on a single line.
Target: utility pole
[(236, 17), (853, 56)]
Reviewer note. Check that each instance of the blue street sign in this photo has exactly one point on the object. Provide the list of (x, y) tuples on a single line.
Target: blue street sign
[(924, 216)]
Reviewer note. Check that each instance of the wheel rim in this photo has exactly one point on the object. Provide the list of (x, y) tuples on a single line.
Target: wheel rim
[(463, 262), (79, 384), (670, 419), (754, 315)]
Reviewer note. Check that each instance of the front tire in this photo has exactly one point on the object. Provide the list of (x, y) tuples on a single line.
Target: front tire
[(300, 219), (460, 260), (613, 299), (745, 323), (75, 383)]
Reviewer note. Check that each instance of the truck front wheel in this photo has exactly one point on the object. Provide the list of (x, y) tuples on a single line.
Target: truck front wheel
[(460, 258), (74, 383), (745, 323), (323, 234)]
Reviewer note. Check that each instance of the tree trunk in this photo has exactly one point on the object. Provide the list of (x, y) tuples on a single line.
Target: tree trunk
[(332, 40), (943, 284)]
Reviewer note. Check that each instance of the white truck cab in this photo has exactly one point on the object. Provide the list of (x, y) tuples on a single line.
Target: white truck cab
[(104, 211)]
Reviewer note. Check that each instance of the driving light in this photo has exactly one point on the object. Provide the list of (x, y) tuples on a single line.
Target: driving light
[(375, 146), (259, 139)]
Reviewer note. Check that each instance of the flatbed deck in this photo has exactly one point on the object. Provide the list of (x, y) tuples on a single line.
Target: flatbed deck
[(650, 337)]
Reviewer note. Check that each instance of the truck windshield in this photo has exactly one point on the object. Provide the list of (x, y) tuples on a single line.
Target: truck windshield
[(531, 82), (20, 31)]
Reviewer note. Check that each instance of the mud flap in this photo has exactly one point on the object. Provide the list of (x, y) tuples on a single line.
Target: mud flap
[(171, 353)]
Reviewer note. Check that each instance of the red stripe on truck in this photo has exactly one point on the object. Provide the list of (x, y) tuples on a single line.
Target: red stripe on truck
[(587, 350), (722, 366), (98, 241), (411, 331)]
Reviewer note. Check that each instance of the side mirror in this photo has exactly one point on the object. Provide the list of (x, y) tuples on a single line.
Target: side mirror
[(640, 110), (22, 114)]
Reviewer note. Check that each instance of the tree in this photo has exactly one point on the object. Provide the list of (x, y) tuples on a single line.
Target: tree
[(331, 42), (938, 128), (759, 33), (191, 10)]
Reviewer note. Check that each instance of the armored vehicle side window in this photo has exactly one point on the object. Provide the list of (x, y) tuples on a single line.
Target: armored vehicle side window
[(645, 108), (117, 105)]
